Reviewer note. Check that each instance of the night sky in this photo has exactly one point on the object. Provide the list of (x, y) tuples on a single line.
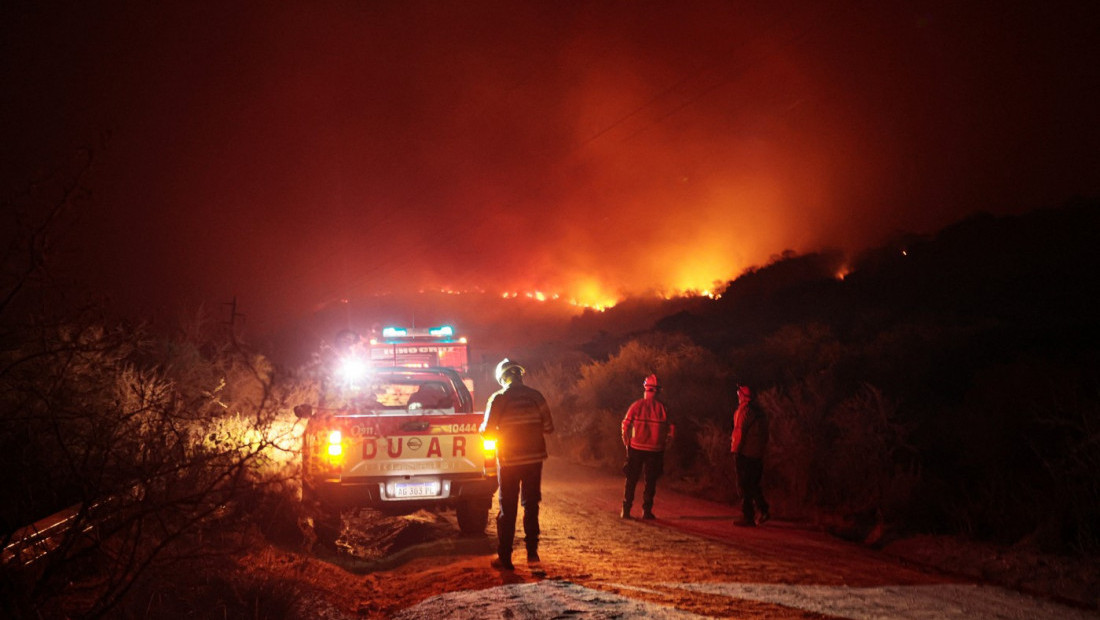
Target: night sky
[(293, 154)]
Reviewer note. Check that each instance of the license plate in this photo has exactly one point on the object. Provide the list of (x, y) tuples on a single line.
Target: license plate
[(416, 489)]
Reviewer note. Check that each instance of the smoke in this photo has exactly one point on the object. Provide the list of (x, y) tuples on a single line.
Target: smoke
[(303, 154)]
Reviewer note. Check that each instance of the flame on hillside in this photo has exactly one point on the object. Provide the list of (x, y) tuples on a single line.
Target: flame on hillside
[(589, 299)]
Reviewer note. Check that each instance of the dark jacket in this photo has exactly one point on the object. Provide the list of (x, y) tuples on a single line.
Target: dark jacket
[(750, 431), (518, 417)]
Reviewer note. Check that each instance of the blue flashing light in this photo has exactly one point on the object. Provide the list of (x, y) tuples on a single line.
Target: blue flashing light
[(394, 332), (445, 330)]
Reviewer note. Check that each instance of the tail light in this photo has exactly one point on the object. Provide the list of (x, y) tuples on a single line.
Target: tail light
[(489, 448), (328, 451), (335, 444)]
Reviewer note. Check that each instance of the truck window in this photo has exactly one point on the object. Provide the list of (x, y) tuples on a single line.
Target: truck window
[(431, 395), (400, 396)]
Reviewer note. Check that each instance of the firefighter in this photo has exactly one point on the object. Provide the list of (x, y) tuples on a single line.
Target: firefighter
[(517, 417), (748, 443), (647, 431)]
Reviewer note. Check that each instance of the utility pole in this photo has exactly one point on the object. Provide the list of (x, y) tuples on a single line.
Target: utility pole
[(232, 322)]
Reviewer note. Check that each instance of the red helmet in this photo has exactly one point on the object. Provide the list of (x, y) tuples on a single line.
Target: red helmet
[(744, 391), (650, 383)]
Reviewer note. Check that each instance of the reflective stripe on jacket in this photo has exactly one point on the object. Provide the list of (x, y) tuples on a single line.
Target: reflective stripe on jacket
[(646, 425), (518, 417)]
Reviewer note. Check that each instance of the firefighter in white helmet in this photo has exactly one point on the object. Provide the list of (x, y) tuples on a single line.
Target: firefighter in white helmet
[(647, 432), (517, 417)]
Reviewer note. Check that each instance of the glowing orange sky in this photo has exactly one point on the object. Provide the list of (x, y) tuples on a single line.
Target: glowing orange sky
[(292, 154)]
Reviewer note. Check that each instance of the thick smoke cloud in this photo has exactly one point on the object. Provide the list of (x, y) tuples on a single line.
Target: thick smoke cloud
[(297, 154)]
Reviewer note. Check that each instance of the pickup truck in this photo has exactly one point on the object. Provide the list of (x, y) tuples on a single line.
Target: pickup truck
[(403, 439)]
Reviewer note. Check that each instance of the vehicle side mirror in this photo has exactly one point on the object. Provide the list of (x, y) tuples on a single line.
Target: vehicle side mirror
[(303, 411)]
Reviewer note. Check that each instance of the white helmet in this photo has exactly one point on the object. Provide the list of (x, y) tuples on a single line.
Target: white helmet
[(507, 370)]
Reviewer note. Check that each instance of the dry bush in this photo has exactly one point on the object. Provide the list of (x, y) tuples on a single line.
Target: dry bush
[(1024, 457), (715, 466), (798, 448), (1075, 475), (1068, 448), (693, 389), (846, 458), (215, 587), (159, 446), (556, 382), (874, 467), (790, 355), (159, 455)]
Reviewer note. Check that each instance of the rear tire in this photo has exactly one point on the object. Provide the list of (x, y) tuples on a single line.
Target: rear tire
[(473, 515)]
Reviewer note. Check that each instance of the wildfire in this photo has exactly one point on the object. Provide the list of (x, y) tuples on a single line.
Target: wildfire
[(687, 277), (573, 301), (587, 294), (601, 302)]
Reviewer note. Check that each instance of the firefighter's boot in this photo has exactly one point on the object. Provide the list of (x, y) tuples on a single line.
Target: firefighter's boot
[(625, 514)]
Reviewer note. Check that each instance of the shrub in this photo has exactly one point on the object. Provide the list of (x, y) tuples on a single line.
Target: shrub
[(798, 450), (715, 466), (155, 446), (693, 389), (873, 466), (1031, 433)]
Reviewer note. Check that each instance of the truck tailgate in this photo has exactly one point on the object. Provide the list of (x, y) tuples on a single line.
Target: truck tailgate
[(414, 445)]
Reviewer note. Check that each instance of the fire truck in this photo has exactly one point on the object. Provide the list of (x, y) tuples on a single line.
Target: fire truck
[(421, 348), (396, 429)]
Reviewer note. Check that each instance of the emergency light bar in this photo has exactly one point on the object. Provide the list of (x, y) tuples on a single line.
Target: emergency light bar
[(443, 331)]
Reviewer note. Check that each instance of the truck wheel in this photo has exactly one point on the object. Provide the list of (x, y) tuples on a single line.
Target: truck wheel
[(473, 515)]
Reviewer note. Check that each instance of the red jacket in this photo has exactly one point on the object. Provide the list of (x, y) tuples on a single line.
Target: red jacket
[(750, 431), (646, 425)]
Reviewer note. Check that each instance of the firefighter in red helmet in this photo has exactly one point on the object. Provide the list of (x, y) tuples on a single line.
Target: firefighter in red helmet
[(748, 444), (647, 431)]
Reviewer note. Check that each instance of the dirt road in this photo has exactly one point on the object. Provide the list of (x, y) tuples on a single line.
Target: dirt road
[(690, 562)]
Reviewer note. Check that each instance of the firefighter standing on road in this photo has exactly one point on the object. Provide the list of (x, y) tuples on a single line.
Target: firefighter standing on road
[(517, 417), (647, 431), (748, 443)]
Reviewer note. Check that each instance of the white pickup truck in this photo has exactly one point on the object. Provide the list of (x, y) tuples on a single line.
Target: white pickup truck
[(406, 438)]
